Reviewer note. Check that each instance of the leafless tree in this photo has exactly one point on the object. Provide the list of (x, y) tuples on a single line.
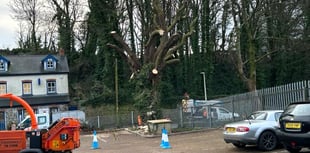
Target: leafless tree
[(28, 11), (67, 13)]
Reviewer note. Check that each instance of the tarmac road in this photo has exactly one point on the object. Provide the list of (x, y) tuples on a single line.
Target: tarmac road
[(210, 141)]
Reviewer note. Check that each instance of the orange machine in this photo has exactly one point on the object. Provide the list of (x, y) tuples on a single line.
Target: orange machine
[(62, 136)]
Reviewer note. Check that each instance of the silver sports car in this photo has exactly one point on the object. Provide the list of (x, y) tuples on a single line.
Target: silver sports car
[(258, 129)]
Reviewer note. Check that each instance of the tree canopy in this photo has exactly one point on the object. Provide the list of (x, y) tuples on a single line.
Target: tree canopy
[(160, 47)]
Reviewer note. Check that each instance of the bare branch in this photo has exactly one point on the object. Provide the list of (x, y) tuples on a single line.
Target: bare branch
[(263, 56), (178, 17), (131, 55), (173, 44), (191, 31), (123, 55), (151, 44)]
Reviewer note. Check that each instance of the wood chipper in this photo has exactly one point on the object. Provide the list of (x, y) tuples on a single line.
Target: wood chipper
[(62, 136)]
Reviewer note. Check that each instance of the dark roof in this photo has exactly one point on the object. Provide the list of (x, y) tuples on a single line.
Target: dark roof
[(5, 59), (38, 100), (49, 56), (32, 64)]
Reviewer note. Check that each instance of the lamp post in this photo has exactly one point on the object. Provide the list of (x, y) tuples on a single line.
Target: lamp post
[(205, 91), (116, 92), (204, 84)]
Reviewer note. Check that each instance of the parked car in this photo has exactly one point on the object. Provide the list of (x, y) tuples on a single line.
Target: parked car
[(294, 126), (258, 129), (217, 113)]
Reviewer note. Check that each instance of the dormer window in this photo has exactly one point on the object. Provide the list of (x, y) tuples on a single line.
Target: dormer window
[(4, 64), (49, 63)]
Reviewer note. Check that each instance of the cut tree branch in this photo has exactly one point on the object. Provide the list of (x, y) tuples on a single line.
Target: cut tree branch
[(131, 55), (151, 44), (124, 56)]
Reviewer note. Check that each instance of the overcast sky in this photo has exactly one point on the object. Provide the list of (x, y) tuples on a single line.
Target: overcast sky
[(8, 27)]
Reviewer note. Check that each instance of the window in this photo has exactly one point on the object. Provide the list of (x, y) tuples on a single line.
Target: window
[(54, 110), (2, 120), (26, 123), (27, 88), (221, 110), (35, 110), (298, 109), (51, 86), (277, 116), (213, 110), (2, 65), (42, 120), (50, 63), (258, 116), (20, 115), (3, 88)]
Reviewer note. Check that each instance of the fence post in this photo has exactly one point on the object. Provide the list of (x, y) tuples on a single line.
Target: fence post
[(98, 119), (132, 121), (210, 114), (307, 91), (233, 108), (192, 116), (181, 116)]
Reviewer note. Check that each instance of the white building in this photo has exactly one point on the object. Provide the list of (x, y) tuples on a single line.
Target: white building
[(41, 80)]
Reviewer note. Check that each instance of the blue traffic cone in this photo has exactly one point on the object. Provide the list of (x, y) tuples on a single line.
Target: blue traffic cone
[(162, 137), (95, 141), (166, 144)]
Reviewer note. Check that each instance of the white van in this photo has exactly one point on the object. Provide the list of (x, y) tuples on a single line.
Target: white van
[(218, 113), (191, 105), (43, 121)]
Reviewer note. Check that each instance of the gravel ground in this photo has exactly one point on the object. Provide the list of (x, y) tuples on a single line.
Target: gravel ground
[(209, 141)]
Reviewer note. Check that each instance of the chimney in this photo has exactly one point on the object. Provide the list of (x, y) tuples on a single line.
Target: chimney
[(61, 52)]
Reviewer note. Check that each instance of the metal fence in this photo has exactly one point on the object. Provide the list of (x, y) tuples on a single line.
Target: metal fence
[(275, 98), (112, 121)]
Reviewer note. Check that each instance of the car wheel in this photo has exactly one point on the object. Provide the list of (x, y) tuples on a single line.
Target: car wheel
[(267, 141), (239, 145), (292, 150)]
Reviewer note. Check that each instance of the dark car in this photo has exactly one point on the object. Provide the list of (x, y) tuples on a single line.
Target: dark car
[(294, 126)]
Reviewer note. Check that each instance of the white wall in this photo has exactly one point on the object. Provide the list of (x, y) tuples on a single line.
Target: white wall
[(14, 83)]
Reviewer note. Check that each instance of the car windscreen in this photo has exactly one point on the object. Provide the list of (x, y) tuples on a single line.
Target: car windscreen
[(258, 116), (277, 116), (298, 109)]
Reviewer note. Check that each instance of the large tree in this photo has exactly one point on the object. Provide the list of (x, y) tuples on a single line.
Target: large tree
[(67, 14), (247, 17), (160, 49)]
